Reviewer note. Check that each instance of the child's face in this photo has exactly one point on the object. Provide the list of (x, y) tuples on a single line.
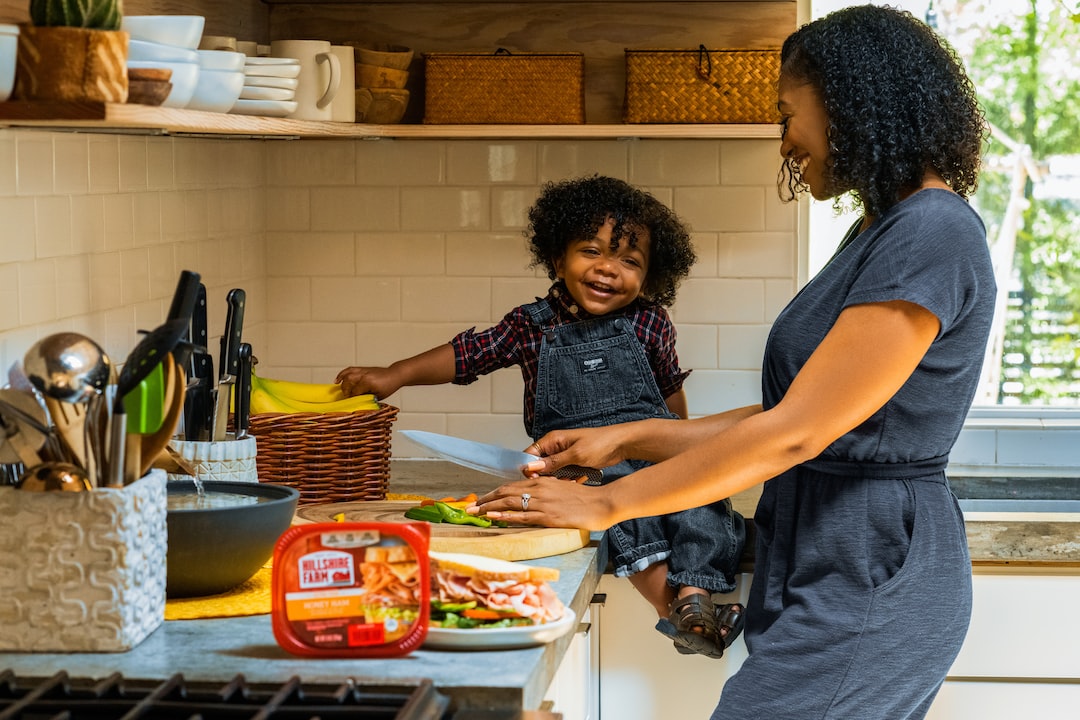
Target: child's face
[(600, 279)]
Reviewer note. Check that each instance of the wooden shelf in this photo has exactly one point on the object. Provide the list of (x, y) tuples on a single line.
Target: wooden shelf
[(113, 118)]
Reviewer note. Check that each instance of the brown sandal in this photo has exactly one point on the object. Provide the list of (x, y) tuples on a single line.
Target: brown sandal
[(695, 625)]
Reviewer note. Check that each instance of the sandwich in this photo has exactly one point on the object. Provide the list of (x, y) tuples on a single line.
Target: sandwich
[(473, 591)]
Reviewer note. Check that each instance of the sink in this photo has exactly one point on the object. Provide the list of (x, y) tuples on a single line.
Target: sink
[(999, 505)]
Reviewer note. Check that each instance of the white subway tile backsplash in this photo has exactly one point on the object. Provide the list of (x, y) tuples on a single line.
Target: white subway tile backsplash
[(71, 164), (705, 247), (9, 299), (741, 347), (756, 255), (104, 158), (34, 164), (696, 345), (474, 398), (488, 254), (311, 162), (445, 209), (354, 209), (359, 299), (566, 159), (507, 431), (721, 208), (37, 292), (119, 222), (53, 221), (476, 163), (132, 164), (714, 391), (749, 162), (105, 279), (510, 207), (387, 162), (17, 235), (8, 173), (445, 299), (135, 276), (146, 223), (721, 301), (289, 299), (160, 167), (288, 208), (508, 293), (508, 391), (291, 254), (398, 253), (674, 162), (778, 294), (306, 343), (73, 286)]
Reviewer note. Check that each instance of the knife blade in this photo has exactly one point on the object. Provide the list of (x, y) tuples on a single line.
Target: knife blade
[(243, 392), (492, 459), (230, 360)]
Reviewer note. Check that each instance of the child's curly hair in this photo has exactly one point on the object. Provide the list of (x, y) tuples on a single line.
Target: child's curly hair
[(898, 101), (575, 209)]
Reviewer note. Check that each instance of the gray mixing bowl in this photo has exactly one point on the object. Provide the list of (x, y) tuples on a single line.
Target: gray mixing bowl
[(214, 548)]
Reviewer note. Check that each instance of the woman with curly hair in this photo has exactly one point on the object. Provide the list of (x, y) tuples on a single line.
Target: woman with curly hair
[(600, 349), (861, 595)]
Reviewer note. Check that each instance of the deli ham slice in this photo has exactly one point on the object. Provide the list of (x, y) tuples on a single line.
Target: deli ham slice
[(496, 585)]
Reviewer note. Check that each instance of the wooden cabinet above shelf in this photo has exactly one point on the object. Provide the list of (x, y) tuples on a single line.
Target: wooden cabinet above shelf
[(106, 118)]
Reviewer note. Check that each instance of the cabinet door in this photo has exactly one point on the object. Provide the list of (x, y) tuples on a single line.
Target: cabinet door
[(642, 676), (572, 692)]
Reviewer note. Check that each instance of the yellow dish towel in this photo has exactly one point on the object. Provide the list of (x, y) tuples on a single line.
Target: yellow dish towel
[(252, 597)]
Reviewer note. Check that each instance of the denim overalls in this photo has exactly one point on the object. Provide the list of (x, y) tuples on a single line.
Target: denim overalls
[(595, 373)]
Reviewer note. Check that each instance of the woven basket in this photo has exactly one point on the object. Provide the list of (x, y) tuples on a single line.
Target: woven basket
[(504, 88), (702, 86), (328, 457)]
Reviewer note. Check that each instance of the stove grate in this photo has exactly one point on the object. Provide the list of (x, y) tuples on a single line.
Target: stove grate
[(61, 697)]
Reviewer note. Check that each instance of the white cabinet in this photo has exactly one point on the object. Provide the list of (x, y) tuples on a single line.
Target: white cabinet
[(574, 690), (1021, 657)]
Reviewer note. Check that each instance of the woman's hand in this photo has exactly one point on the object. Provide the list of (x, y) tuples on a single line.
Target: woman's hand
[(547, 502), (589, 447)]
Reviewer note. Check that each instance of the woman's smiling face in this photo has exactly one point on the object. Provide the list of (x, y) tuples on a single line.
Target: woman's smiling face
[(805, 134), (602, 279)]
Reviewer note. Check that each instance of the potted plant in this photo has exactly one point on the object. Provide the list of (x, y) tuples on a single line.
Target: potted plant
[(73, 50)]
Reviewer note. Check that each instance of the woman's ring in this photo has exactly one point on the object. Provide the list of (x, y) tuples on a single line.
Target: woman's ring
[(525, 498)]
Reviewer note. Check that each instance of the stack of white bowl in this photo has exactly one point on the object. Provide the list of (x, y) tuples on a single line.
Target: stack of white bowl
[(221, 77), (269, 87), (167, 41)]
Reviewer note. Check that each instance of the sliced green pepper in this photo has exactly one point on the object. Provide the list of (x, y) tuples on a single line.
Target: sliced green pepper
[(455, 516), (427, 513)]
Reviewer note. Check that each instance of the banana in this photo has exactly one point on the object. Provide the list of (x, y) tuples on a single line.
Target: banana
[(265, 400), (308, 392)]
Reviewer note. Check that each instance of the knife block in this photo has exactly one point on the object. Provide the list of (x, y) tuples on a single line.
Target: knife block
[(227, 460), (83, 571)]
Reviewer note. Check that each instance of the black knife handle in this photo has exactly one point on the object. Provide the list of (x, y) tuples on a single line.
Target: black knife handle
[(234, 329), (242, 390), (183, 306)]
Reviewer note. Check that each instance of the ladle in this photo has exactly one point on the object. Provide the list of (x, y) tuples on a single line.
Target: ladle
[(55, 477), (71, 371)]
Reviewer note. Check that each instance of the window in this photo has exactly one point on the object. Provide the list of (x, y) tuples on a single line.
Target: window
[(1020, 55)]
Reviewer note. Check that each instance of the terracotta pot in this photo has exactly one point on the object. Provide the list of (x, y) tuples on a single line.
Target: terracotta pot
[(72, 64)]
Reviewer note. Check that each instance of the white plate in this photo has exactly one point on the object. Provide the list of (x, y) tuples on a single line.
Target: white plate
[(266, 108), (499, 638), (271, 61), (285, 71), (266, 93), (270, 82)]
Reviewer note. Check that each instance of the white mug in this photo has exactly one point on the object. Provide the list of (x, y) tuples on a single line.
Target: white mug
[(343, 107), (320, 76)]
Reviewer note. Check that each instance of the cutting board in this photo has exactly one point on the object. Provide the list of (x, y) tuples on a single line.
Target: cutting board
[(511, 543)]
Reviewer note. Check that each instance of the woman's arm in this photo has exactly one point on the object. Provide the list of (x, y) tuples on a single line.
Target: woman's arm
[(866, 357)]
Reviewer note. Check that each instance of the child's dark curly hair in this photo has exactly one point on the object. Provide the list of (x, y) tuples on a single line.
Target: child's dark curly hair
[(574, 209), (898, 101)]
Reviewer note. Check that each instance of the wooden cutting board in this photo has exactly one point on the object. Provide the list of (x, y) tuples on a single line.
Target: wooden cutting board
[(512, 543)]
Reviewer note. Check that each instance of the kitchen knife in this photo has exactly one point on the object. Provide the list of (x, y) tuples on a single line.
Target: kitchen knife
[(198, 407), (242, 410), (183, 306), (230, 360), (492, 459)]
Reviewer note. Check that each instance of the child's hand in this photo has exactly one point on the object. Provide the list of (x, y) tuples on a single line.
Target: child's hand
[(378, 381)]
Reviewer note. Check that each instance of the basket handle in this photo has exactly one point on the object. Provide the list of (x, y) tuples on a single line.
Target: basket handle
[(504, 51), (704, 67)]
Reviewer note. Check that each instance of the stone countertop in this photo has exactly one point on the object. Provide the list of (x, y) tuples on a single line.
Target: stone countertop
[(994, 539), (216, 650)]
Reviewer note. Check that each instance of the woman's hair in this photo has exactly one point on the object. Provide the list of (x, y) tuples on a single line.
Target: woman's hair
[(573, 210), (898, 103)]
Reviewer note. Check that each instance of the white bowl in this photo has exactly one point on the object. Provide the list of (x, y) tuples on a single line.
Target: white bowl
[(185, 76), (146, 50), (220, 60), (9, 41), (283, 71), (181, 30), (217, 90)]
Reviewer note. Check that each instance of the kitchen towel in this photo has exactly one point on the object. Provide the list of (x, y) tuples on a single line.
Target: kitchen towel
[(251, 597)]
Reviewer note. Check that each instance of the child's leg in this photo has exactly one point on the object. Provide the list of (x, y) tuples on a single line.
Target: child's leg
[(652, 584)]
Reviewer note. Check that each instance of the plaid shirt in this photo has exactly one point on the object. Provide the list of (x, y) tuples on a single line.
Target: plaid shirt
[(516, 341)]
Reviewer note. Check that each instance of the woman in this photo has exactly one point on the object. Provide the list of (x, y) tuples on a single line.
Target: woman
[(862, 588)]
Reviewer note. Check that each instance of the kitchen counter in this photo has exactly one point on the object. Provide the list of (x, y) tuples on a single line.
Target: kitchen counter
[(218, 649)]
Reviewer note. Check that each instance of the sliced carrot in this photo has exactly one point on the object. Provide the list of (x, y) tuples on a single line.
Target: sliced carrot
[(485, 614)]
